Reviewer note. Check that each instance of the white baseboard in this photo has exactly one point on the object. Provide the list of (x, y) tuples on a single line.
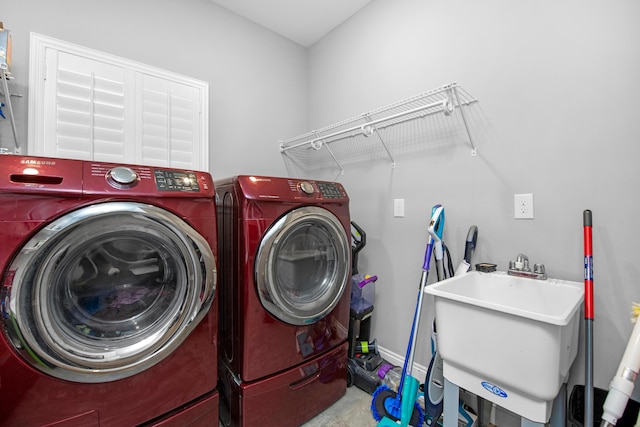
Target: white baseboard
[(419, 371)]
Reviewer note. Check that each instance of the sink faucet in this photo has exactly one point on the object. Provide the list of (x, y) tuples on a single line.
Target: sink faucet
[(520, 267)]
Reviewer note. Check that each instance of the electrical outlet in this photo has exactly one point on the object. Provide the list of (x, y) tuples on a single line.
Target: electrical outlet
[(398, 208), (523, 206)]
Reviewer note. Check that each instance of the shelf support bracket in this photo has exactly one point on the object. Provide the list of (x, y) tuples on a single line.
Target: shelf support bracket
[(368, 129), (464, 120), (317, 144)]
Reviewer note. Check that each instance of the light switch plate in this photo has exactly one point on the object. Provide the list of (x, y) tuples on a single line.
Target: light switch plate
[(398, 208)]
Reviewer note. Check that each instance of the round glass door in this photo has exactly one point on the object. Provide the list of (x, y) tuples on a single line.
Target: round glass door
[(107, 291), (302, 266)]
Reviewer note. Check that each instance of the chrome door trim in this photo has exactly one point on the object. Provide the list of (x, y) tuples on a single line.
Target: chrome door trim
[(270, 295), (29, 316)]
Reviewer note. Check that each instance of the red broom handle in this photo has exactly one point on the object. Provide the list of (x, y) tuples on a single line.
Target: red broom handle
[(588, 266), (589, 397)]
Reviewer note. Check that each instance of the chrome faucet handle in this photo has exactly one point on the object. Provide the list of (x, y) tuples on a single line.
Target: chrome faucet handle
[(520, 267), (521, 263)]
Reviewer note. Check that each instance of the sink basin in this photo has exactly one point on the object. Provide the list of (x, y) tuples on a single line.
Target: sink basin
[(508, 339)]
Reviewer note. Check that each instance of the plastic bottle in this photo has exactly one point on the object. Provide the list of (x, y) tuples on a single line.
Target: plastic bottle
[(390, 375), (362, 293)]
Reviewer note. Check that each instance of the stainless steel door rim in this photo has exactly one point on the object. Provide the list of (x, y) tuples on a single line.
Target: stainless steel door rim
[(107, 291)]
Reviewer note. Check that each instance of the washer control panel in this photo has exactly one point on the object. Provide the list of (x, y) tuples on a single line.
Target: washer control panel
[(140, 180), (172, 180)]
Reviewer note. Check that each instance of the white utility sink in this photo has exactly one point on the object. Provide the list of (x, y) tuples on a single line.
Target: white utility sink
[(508, 339)]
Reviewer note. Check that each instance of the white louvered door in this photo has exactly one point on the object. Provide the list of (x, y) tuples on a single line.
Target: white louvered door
[(92, 106)]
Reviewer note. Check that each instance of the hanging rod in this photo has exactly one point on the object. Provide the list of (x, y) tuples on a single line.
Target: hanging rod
[(443, 99)]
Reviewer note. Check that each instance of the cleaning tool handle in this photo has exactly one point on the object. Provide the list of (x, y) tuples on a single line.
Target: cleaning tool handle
[(427, 256), (359, 241), (435, 216), (470, 244), (436, 227), (622, 385), (438, 250), (588, 265), (589, 391), (366, 281), (437, 221)]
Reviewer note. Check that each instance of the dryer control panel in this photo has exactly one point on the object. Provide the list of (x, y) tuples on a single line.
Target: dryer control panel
[(274, 188), (319, 189)]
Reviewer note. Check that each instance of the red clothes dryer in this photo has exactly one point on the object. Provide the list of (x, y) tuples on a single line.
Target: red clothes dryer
[(108, 278), (285, 265)]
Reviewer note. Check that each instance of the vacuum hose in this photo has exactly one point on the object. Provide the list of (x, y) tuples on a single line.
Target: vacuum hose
[(622, 384)]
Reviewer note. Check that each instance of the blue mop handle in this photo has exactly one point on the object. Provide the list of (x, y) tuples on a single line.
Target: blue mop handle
[(423, 281), (427, 255), (435, 220)]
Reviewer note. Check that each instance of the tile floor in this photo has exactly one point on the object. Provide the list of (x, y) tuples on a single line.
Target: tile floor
[(352, 410)]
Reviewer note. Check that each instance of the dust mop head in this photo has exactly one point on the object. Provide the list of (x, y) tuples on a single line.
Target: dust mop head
[(386, 407), (379, 408)]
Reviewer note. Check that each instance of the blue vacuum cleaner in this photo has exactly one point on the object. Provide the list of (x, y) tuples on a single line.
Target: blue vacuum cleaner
[(401, 408)]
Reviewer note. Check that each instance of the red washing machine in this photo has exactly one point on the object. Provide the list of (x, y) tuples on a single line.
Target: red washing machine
[(285, 265), (108, 279)]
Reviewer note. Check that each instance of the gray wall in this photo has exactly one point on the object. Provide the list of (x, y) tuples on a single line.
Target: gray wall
[(257, 79), (557, 84)]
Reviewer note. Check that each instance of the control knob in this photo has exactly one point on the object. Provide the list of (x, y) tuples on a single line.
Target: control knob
[(122, 177), (306, 187)]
